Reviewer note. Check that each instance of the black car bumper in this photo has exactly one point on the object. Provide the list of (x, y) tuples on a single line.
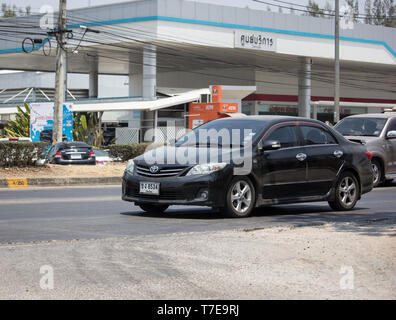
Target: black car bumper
[(179, 190), (91, 161)]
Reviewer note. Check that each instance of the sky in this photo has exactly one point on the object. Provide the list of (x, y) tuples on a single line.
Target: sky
[(71, 4)]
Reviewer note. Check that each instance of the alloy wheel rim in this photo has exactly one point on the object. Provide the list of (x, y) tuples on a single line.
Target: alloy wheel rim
[(241, 196), (347, 191), (375, 173)]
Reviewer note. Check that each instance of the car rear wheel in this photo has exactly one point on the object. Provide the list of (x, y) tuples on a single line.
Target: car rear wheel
[(377, 172), (240, 199), (153, 208), (346, 192)]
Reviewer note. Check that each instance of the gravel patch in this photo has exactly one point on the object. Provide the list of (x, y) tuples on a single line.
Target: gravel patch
[(317, 262)]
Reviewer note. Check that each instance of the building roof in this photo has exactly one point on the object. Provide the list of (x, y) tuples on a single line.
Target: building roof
[(197, 27)]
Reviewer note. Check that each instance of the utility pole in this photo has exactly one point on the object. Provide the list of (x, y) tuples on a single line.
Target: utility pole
[(337, 63), (60, 76)]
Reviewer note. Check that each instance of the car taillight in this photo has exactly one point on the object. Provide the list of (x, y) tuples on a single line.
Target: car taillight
[(369, 155), (91, 154), (13, 139), (58, 155)]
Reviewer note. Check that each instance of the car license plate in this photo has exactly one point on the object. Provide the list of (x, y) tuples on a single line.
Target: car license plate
[(149, 187), (75, 156)]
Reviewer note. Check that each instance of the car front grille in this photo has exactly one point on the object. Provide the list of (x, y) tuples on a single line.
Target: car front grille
[(162, 172), (168, 194)]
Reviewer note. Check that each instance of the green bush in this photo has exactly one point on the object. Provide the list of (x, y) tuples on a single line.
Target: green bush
[(20, 154), (125, 152)]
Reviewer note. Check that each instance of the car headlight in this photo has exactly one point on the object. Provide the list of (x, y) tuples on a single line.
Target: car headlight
[(130, 166), (206, 168)]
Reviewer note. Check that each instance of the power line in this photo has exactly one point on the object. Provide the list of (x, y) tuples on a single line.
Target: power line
[(172, 53)]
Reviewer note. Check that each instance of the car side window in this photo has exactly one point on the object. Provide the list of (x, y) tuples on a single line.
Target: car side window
[(392, 125), (315, 135), (287, 136), (52, 151)]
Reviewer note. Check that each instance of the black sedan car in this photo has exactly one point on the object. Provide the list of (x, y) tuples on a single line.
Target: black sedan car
[(71, 153), (237, 164), (46, 136)]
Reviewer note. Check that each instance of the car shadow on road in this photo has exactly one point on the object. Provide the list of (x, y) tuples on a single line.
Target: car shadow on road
[(185, 213), (301, 215)]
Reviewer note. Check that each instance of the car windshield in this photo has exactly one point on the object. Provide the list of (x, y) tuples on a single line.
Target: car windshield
[(361, 126), (223, 133), (73, 145), (100, 153)]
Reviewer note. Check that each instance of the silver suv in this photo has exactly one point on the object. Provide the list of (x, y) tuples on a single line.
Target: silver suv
[(378, 132)]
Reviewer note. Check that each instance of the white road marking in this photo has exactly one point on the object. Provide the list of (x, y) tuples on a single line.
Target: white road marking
[(94, 198)]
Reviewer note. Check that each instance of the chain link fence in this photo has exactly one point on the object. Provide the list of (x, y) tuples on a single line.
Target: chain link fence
[(127, 135)]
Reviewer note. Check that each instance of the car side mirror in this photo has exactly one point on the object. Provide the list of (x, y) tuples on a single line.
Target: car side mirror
[(391, 134), (269, 145)]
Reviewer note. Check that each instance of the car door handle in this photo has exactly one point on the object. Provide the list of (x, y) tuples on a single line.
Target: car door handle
[(301, 156), (338, 153)]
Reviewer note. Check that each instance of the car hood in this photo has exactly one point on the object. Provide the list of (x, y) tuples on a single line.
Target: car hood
[(171, 155), (361, 139)]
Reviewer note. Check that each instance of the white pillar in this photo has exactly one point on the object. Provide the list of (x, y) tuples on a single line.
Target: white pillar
[(135, 80), (315, 111), (304, 87), (149, 72), (94, 78)]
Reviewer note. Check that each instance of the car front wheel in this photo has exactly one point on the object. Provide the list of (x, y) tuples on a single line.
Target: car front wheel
[(377, 172), (153, 208), (240, 199), (346, 192)]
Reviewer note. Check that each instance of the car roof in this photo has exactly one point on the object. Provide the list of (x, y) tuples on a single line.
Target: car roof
[(385, 115), (270, 119), (73, 144)]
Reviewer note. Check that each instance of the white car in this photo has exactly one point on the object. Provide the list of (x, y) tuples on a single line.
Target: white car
[(102, 157)]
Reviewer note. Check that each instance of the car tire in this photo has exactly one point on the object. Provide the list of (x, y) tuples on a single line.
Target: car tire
[(240, 198), (347, 191), (153, 208), (377, 172)]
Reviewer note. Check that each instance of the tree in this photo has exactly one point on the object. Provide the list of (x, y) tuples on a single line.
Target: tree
[(314, 10), (7, 11), (367, 11), (86, 128), (353, 10), (378, 12), (328, 9), (390, 8), (12, 11), (383, 12), (20, 127)]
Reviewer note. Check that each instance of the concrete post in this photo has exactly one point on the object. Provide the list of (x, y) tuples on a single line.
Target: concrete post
[(304, 87), (94, 78), (135, 80), (149, 85), (60, 72), (149, 72)]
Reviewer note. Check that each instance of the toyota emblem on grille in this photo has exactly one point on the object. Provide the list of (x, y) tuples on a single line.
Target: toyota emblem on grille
[(154, 169)]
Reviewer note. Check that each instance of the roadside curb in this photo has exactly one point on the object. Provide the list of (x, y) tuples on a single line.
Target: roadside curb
[(58, 181)]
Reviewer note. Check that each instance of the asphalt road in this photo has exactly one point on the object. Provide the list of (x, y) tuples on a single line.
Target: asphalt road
[(42, 214)]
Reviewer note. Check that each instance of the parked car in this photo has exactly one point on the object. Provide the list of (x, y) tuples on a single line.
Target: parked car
[(71, 153), (292, 160), (378, 133), (16, 139), (46, 135), (102, 156)]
